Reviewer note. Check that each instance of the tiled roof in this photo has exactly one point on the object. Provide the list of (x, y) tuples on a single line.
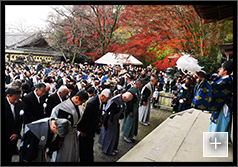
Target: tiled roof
[(15, 40), (32, 42)]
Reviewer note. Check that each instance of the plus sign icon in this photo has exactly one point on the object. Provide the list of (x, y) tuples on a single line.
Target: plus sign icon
[(215, 144)]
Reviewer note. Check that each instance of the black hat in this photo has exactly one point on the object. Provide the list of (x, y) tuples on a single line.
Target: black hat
[(228, 66)]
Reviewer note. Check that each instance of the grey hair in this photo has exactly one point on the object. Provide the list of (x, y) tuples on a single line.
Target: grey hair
[(106, 92), (63, 89), (137, 81), (62, 126)]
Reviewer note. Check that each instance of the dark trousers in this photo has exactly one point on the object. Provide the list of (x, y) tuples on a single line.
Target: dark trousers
[(181, 106), (154, 101), (9, 148), (175, 108), (86, 148)]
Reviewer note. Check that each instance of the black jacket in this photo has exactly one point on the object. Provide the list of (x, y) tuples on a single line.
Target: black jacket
[(33, 110), (145, 95), (12, 126), (91, 117), (53, 100)]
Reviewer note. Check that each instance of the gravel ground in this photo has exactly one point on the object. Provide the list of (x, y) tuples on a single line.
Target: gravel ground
[(156, 118)]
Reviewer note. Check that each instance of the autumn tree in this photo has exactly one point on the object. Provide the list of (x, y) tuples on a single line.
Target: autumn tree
[(176, 28)]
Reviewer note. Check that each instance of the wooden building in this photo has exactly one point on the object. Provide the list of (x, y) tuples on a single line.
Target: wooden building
[(33, 47)]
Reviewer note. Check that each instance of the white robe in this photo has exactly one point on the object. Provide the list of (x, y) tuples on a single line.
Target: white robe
[(144, 110)]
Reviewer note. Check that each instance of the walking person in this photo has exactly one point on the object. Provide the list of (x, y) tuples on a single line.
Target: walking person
[(130, 123), (109, 135)]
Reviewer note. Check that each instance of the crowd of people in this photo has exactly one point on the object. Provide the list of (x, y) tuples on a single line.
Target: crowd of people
[(61, 106)]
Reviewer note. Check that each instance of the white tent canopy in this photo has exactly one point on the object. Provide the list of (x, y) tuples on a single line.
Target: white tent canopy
[(112, 58)]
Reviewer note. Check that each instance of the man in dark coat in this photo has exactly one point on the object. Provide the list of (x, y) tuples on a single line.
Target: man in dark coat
[(33, 104), (55, 99), (88, 124), (109, 136), (42, 138), (29, 79), (13, 121)]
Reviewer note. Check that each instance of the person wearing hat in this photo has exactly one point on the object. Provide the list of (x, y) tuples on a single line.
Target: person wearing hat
[(42, 137), (214, 94)]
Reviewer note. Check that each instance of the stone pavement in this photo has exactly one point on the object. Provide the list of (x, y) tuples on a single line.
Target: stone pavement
[(178, 139), (156, 118)]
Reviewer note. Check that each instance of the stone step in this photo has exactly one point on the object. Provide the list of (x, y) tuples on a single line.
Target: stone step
[(163, 142), (177, 139), (164, 107)]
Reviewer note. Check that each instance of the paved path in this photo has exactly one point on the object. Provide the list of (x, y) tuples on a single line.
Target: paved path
[(156, 118)]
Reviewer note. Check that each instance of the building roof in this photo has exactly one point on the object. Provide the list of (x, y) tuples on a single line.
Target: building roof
[(31, 42), (212, 13)]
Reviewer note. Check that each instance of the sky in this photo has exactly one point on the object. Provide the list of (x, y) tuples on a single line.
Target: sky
[(29, 15)]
